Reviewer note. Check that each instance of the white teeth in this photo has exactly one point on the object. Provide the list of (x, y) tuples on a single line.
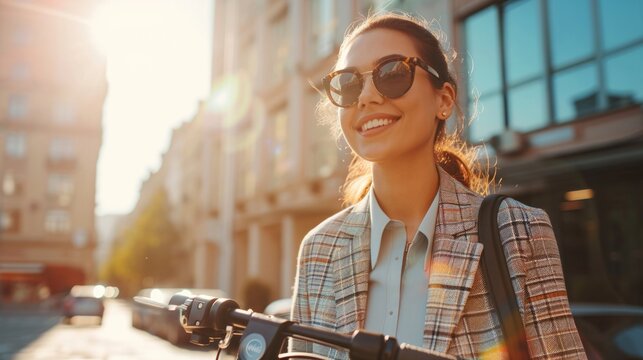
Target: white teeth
[(376, 123)]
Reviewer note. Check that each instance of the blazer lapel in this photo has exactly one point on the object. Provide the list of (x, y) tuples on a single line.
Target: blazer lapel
[(351, 269), (455, 256)]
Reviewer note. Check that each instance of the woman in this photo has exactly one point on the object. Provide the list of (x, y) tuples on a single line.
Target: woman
[(403, 260)]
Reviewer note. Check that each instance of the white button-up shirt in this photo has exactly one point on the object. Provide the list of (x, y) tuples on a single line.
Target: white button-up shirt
[(398, 284)]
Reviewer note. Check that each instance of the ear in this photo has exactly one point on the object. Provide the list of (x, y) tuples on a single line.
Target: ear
[(446, 101)]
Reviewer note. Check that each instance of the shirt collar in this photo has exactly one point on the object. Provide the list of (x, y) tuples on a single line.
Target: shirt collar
[(379, 220)]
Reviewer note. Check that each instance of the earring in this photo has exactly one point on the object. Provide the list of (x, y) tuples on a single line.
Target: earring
[(444, 114)]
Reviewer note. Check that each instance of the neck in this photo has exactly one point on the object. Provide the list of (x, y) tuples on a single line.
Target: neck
[(405, 189)]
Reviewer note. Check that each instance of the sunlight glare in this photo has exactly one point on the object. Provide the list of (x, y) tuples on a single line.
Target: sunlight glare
[(231, 96), (99, 291), (101, 24), (158, 68)]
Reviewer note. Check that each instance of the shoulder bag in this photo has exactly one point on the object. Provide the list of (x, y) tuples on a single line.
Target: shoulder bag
[(496, 273)]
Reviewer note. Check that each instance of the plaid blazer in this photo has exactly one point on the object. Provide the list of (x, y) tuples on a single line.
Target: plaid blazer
[(331, 285)]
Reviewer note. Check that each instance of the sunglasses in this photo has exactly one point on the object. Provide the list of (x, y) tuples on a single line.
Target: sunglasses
[(393, 77)]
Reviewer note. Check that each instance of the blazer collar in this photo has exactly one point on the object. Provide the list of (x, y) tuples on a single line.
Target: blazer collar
[(454, 261)]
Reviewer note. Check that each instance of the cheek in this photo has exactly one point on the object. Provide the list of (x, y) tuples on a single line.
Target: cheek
[(344, 116), (422, 104)]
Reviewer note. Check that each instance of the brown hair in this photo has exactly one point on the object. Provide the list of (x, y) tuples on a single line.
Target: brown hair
[(451, 152)]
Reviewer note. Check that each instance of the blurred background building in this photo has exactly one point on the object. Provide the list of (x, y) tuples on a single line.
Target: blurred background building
[(562, 111), (52, 89)]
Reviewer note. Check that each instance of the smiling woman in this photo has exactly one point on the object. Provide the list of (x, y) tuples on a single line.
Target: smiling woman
[(158, 68), (404, 259)]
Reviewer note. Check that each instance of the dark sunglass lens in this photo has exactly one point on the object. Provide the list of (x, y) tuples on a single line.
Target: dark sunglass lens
[(345, 88), (393, 79)]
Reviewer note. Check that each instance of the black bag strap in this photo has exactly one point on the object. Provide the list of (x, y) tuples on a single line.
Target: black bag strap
[(494, 268)]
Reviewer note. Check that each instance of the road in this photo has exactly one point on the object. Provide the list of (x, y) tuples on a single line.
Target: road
[(41, 336)]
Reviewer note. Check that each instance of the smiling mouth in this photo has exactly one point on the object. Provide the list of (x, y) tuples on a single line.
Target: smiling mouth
[(375, 124)]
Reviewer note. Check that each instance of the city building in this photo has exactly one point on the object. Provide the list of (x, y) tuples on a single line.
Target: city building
[(560, 90), (52, 89)]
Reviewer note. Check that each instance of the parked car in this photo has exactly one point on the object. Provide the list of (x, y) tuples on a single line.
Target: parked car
[(162, 322), (84, 300), (140, 313), (610, 331), (607, 331)]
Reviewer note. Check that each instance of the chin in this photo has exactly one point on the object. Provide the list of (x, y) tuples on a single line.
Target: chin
[(374, 156)]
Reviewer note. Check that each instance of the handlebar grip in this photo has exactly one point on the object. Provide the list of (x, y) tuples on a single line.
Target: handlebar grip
[(410, 352)]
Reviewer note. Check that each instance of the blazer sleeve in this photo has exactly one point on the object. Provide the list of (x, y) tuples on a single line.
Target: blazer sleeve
[(300, 311), (550, 328)]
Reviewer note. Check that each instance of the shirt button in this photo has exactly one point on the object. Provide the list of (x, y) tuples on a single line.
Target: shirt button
[(390, 313), (397, 258)]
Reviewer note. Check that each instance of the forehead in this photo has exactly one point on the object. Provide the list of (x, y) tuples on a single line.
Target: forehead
[(372, 45)]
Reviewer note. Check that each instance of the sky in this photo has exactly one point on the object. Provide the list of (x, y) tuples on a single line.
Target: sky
[(158, 68)]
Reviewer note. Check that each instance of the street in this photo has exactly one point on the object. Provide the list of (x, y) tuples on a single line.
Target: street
[(38, 335)]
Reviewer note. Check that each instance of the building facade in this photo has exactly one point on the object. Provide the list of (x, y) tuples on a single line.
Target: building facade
[(52, 89), (559, 96)]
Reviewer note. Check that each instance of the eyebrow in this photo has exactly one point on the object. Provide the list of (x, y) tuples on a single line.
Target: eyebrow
[(378, 61), (388, 57)]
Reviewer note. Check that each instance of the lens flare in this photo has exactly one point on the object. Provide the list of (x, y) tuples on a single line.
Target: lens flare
[(231, 97)]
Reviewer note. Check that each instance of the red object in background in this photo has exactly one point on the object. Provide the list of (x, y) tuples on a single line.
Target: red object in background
[(20, 282), (61, 278)]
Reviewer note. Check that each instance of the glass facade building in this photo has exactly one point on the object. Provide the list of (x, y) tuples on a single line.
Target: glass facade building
[(563, 80)]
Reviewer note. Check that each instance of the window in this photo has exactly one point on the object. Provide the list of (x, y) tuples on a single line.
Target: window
[(621, 22), (61, 149), (63, 112), (323, 27), (576, 92), (9, 221), (246, 153), (276, 147), (570, 44), (539, 62), (246, 170), (17, 107), (57, 221), (11, 185), (278, 53), (15, 145), (61, 188), (483, 48), (624, 87)]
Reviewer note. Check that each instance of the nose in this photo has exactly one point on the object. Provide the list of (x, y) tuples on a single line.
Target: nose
[(369, 94)]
